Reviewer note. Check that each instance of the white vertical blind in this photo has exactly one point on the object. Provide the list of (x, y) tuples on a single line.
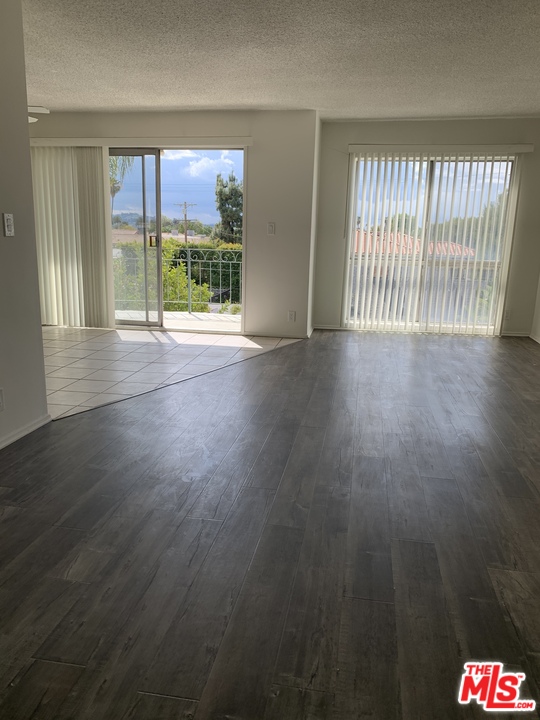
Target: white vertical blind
[(58, 236), (71, 235), (94, 254), (426, 236)]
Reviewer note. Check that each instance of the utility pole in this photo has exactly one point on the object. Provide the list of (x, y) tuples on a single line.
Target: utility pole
[(185, 205)]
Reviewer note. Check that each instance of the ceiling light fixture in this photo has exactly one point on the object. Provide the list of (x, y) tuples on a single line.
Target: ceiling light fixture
[(36, 109)]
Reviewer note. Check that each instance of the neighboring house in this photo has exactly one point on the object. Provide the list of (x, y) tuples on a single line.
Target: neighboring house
[(124, 235), (399, 244)]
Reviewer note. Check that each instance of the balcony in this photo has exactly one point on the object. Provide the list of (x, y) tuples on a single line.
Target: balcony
[(201, 287)]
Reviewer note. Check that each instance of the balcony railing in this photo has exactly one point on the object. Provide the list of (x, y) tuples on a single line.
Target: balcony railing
[(194, 280), (214, 277)]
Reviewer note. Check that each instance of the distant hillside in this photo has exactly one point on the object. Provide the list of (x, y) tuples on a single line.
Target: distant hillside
[(127, 218)]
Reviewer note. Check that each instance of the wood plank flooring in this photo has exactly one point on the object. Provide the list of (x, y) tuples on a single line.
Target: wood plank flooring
[(324, 532)]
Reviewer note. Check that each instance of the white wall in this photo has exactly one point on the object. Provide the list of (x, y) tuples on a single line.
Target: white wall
[(22, 374), (330, 252), (279, 182)]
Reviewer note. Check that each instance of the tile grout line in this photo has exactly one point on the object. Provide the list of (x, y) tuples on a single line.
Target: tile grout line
[(142, 348)]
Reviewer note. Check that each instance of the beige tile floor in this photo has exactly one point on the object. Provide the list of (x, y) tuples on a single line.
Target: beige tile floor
[(86, 368)]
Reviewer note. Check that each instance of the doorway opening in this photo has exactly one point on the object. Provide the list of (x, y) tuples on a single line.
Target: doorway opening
[(177, 237)]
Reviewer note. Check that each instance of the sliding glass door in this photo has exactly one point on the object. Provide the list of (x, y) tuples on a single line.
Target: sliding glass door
[(428, 242), (134, 177)]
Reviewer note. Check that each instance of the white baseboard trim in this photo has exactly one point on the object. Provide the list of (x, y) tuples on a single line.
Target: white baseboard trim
[(504, 334), (329, 327), (536, 339), (21, 432)]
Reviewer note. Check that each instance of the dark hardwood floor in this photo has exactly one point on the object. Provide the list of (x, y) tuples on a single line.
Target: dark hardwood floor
[(324, 532)]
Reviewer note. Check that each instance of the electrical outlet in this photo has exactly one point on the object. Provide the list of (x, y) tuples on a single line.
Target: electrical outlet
[(291, 316), (9, 226), (507, 314), (2, 406)]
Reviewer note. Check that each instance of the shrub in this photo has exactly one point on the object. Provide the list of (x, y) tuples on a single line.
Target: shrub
[(129, 281)]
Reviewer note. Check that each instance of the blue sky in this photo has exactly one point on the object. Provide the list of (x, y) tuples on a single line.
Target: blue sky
[(416, 185), (186, 175)]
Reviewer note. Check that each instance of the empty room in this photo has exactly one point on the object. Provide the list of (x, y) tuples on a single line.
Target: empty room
[(269, 360)]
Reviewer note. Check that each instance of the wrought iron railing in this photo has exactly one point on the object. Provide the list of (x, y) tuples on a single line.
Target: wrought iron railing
[(194, 280), (214, 277)]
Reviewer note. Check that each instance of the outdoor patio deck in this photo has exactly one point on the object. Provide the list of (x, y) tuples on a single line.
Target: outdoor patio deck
[(204, 322)]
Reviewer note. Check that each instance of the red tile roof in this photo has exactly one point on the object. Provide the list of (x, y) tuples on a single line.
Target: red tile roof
[(407, 245)]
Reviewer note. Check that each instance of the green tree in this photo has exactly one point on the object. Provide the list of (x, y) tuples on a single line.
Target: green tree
[(166, 224), (405, 224), (229, 204), (471, 232), (175, 284), (119, 165), (218, 268)]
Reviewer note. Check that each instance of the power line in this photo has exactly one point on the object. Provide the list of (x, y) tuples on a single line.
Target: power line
[(185, 205)]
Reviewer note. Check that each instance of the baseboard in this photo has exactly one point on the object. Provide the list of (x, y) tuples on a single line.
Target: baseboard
[(504, 334), (329, 327), (21, 432), (536, 339)]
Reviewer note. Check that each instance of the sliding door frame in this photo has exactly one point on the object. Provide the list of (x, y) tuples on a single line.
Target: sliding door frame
[(142, 152), (433, 153)]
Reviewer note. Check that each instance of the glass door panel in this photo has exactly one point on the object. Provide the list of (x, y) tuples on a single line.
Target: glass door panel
[(136, 236)]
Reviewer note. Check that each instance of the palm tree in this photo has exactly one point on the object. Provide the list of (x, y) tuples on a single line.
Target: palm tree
[(119, 165)]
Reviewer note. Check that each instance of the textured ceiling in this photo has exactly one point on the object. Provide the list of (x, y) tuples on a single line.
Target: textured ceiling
[(346, 58)]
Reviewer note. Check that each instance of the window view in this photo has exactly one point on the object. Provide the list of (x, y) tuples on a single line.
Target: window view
[(177, 219), (428, 242)]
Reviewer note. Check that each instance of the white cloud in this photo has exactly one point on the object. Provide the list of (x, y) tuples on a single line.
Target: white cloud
[(179, 154), (128, 209), (207, 167)]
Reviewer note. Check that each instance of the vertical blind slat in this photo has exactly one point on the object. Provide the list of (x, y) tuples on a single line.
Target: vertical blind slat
[(393, 218), (483, 247), (431, 245), (448, 249), (351, 208), (356, 257), (415, 264), (459, 241), (402, 270), (410, 257), (500, 235)]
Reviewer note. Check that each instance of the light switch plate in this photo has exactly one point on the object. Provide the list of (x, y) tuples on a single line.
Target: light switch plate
[(9, 226), (271, 228)]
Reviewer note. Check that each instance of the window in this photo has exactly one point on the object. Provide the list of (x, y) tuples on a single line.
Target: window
[(429, 241)]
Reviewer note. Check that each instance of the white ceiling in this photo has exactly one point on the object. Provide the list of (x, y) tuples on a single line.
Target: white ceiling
[(346, 58)]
